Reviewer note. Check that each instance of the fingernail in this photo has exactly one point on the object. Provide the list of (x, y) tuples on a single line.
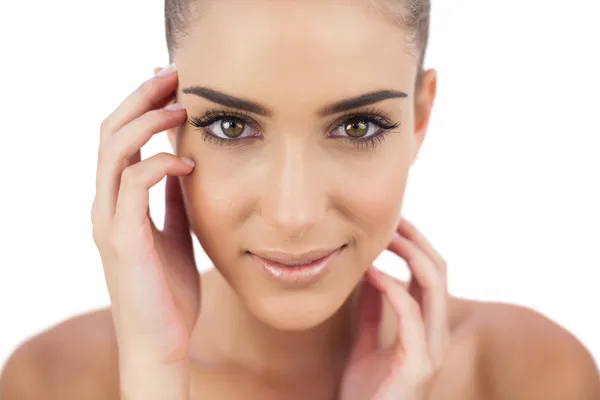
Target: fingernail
[(174, 107), (188, 161), (167, 70)]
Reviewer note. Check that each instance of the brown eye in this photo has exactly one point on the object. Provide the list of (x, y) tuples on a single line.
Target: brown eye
[(356, 127), (232, 128)]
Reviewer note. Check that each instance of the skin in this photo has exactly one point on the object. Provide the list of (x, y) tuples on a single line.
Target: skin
[(294, 189)]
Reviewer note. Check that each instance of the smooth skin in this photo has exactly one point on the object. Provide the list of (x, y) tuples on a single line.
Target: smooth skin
[(447, 347), (234, 334)]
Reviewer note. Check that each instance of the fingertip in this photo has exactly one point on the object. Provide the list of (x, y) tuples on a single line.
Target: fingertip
[(374, 277), (394, 239), (370, 302), (374, 271), (189, 162), (369, 291), (369, 272)]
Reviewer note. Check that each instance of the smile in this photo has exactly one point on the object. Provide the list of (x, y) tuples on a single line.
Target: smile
[(296, 270)]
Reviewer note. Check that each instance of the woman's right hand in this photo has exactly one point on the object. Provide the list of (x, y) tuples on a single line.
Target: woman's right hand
[(151, 275)]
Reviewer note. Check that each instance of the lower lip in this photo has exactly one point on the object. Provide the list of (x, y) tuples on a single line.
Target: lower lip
[(299, 275)]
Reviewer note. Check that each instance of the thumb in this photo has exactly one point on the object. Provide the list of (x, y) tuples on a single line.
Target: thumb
[(369, 314)]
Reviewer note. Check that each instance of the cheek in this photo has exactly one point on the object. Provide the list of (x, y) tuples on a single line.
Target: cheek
[(215, 201), (374, 205), (372, 200), (212, 192), (366, 191)]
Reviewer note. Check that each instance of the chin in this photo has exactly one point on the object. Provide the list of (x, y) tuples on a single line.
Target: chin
[(295, 304), (288, 302), (300, 311)]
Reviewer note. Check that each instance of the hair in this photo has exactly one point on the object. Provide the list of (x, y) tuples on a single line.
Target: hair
[(410, 15)]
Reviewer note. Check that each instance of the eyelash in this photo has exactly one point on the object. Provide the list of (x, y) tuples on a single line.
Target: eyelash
[(373, 116)]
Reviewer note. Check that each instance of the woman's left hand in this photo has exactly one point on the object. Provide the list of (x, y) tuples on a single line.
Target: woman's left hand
[(406, 370)]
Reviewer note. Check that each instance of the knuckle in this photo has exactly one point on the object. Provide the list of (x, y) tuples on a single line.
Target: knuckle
[(123, 243), (147, 90), (167, 159), (93, 209), (435, 282), (94, 218), (443, 264), (154, 117), (114, 246), (146, 122), (105, 151), (98, 236), (116, 242), (155, 114), (105, 126), (413, 306), (131, 176)]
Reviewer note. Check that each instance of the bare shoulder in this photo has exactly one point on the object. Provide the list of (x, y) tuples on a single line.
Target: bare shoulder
[(522, 354), (76, 359), (501, 351)]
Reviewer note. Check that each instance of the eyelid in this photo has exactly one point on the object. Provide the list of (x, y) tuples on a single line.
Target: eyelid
[(222, 113), (213, 115), (366, 112)]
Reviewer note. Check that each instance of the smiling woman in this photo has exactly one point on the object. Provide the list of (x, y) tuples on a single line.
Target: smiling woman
[(294, 126)]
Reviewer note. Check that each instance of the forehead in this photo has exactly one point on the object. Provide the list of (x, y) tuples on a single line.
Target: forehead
[(284, 50)]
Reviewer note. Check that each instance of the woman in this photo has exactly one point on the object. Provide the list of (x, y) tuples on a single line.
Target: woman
[(292, 152)]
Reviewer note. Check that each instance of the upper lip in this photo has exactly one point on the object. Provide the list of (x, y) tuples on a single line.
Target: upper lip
[(293, 259)]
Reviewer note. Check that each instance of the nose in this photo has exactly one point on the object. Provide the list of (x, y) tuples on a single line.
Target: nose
[(293, 200)]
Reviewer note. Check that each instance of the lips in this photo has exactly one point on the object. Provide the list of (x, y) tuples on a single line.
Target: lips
[(294, 260), (300, 270)]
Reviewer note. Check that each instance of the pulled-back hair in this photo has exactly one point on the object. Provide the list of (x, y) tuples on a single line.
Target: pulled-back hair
[(410, 15)]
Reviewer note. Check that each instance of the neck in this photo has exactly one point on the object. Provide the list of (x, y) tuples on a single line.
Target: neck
[(235, 336)]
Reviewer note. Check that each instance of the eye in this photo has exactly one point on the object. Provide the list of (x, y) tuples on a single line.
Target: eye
[(363, 130), (358, 127), (225, 127), (229, 128)]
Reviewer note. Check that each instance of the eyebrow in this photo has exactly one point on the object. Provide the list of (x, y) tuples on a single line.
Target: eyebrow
[(251, 106)]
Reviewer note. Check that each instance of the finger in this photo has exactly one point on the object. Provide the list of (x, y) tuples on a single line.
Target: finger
[(411, 331), (145, 98), (132, 202), (433, 292), (369, 314), (176, 220), (169, 100), (408, 230), (122, 150)]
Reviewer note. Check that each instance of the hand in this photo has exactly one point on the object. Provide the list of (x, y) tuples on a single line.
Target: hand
[(406, 370), (151, 275)]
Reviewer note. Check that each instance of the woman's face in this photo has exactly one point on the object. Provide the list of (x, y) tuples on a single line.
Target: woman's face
[(294, 174)]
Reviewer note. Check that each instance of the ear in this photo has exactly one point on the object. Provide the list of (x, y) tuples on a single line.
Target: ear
[(423, 106)]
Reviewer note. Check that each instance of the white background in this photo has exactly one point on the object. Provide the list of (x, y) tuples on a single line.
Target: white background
[(506, 186)]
